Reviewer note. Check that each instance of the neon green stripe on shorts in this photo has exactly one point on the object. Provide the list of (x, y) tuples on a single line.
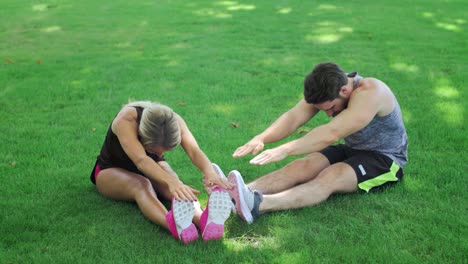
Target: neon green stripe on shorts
[(381, 179)]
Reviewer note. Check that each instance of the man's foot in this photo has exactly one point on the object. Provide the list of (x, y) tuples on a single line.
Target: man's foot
[(216, 212), (179, 219), (247, 201)]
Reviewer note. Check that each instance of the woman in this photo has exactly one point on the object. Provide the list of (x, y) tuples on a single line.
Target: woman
[(131, 167)]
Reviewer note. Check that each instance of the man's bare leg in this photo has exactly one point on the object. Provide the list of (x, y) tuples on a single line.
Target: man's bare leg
[(297, 172), (339, 177)]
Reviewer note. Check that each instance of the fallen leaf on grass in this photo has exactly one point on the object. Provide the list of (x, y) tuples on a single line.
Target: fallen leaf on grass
[(13, 164), (302, 131), (9, 60), (39, 61), (180, 103), (234, 125)]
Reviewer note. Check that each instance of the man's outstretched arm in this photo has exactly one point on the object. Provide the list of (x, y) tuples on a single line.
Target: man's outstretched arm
[(284, 126), (361, 110)]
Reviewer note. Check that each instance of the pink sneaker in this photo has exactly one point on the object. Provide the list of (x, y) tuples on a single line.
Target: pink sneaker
[(243, 197), (179, 219), (216, 212)]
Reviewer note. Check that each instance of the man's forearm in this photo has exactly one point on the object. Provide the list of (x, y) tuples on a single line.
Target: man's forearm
[(316, 140)]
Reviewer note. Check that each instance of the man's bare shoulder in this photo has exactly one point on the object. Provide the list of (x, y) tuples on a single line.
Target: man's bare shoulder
[(371, 83), (374, 89)]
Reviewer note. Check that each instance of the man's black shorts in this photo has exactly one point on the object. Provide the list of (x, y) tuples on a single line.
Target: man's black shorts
[(373, 170)]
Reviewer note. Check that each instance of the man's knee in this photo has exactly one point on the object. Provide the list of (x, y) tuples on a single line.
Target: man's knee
[(311, 164), (339, 177)]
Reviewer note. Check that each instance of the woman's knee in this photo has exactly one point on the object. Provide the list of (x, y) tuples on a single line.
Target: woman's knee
[(122, 184), (142, 184)]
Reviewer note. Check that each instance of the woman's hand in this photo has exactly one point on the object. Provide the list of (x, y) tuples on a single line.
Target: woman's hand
[(212, 180), (183, 192)]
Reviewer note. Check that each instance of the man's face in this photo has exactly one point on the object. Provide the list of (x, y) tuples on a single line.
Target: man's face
[(333, 107)]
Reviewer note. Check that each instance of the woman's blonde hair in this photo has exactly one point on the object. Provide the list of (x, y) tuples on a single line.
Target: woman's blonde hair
[(158, 125)]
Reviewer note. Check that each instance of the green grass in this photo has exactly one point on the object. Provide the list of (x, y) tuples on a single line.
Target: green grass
[(68, 66)]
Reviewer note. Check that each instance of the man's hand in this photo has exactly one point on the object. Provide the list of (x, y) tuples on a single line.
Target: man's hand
[(255, 145), (269, 156)]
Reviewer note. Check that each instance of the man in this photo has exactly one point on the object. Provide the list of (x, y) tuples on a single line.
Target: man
[(365, 114)]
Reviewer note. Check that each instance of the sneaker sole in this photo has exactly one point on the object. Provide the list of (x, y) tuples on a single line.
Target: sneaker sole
[(220, 172), (219, 209), (183, 212), (238, 193)]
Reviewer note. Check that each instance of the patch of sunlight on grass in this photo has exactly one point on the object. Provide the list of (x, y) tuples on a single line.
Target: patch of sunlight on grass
[(235, 6), (123, 44), (223, 108), (51, 29), (447, 26), (294, 100), (143, 23), (284, 10), (406, 115), (414, 185), (249, 242), (294, 257), (76, 83), (403, 67), (326, 7), (452, 112), (241, 7), (212, 13), (326, 32), (5, 91), (226, 3), (173, 63), (346, 29), (40, 7), (427, 14), (166, 84), (326, 23), (446, 91), (87, 70), (267, 62), (323, 38), (299, 95), (290, 60), (181, 45), (460, 21)]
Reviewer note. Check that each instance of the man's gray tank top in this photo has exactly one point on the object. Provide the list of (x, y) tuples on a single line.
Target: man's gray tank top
[(384, 134)]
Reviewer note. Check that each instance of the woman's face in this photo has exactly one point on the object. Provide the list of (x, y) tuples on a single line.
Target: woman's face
[(158, 150)]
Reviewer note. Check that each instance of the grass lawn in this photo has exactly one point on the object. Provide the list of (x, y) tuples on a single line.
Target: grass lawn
[(229, 68)]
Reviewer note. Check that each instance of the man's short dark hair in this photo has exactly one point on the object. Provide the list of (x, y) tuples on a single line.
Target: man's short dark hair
[(324, 83)]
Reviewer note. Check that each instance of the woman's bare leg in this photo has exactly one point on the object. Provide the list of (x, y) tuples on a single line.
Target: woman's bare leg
[(120, 184), (164, 192)]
